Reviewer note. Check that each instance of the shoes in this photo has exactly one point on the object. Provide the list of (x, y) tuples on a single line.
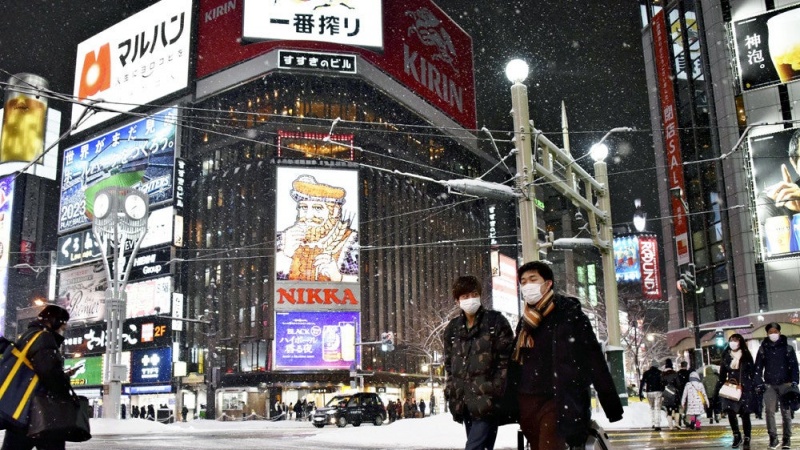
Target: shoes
[(773, 442), (746, 444), (656, 428), (787, 443), (737, 440)]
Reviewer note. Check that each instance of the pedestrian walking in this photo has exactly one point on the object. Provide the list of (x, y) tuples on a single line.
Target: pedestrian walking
[(683, 378), (775, 371), (151, 412), (738, 367), (298, 411), (48, 364), (390, 411), (694, 400), (559, 358), (184, 413), (477, 345), (710, 382), (670, 397), (422, 407), (652, 385)]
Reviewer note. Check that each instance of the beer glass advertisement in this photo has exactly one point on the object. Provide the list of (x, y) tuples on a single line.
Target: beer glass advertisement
[(140, 155), (90, 370), (775, 162), (82, 290), (317, 340), (317, 225), (6, 205), (768, 48), (626, 259)]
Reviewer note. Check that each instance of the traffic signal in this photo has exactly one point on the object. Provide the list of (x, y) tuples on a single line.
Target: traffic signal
[(387, 341), (719, 338)]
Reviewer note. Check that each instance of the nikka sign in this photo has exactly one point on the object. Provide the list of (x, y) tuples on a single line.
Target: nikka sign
[(315, 296), (423, 48)]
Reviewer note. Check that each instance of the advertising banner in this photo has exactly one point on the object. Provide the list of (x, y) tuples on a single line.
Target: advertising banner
[(355, 23), (768, 48), (317, 340), (666, 93), (504, 287), (151, 366), (151, 264), (46, 166), (776, 177), (90, 372), (77, 248), (134, 62), (145, 296), (6, 210), (24, 118), (423, 48), (651, 273), (626, 259), (82, 290), (138, 333), (140, 155)]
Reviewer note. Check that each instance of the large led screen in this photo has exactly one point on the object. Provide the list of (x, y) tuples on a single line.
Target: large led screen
[(317, 225), (151, 366), (140, 155), (626, 259), (317, 340), (6, 208), (768, 48), (89, 373), (776, 186)]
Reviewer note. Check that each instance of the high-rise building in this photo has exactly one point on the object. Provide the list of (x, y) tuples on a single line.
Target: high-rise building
[(725, 115)]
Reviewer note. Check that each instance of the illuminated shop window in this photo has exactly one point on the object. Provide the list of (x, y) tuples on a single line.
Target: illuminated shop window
[(313, 145)]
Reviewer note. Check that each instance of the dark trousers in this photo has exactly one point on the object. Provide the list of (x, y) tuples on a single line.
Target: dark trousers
[(17, 440), (538, 418), (735, 423), (481, 434)]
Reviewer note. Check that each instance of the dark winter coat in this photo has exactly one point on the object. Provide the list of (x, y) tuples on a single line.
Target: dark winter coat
[(670, 378), (776, 362), (578, 363), (744, 375), (476, 362), (651, 381), (47, 361)]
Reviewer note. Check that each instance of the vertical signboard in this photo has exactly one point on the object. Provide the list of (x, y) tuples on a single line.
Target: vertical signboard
[(140, 155), (768, 48), (776, 181), (651, 273), (669, 118), (134, 62), (504, 287), (81, 291), (317, 340), (626, 259), (6, 209)]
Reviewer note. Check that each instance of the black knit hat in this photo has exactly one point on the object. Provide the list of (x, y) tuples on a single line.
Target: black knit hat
[(668, 363), (54, 316)]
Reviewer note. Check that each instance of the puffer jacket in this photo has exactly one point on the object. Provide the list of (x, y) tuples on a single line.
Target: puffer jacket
[(695, 398), (47, 361), (776, 362), (476, 362)]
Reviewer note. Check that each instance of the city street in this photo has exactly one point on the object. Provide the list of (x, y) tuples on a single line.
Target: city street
[(714, 437)]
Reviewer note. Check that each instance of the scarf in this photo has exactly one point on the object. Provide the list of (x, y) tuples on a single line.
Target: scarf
[(735, 355), (532, 316)]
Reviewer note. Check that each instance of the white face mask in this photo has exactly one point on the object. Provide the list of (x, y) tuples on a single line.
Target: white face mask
[(531, 293), (470, 305), (734, 345), (774, 337)]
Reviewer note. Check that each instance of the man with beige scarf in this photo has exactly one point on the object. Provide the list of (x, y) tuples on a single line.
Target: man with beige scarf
[(560, 358)]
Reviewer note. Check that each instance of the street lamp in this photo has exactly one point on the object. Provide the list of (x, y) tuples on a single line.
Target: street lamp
[(639, 216), (120, 216), (517, 72)]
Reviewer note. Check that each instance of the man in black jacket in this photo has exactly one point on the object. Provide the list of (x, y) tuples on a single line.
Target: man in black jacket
[(651, 384), (48, 364), (776, 370), (560, 359), (477, 345)]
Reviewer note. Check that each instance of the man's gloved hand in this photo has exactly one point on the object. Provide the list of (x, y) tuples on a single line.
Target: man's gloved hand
[(614, 419), (761, 388)]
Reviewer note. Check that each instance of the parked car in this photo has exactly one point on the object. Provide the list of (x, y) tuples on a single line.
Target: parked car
[(353, 408)]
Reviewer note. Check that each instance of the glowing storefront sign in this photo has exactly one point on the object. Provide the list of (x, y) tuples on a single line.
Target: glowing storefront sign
[(317, 340)]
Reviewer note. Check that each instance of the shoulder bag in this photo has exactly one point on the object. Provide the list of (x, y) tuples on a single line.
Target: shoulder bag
[(732, 389), (60, 418), (17, 383)]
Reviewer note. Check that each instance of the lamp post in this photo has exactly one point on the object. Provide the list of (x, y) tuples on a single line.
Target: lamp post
[(639, 216), (687, 284), (120, 215), (517, 71)]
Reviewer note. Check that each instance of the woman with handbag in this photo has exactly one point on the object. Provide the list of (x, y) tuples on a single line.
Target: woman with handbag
[(48, 364), (736, 389)]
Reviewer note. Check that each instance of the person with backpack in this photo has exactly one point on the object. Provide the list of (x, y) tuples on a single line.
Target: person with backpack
[(652, 385), (710, 381), (560, 358), (477, 346), (669, 395), (776, 371), (48, 364), (738, 366)]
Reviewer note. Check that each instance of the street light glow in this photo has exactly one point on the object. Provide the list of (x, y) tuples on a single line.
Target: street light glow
[(517, 70), (599, 152)]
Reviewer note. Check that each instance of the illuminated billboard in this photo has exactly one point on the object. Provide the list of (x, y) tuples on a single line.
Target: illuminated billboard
[(145, 296), (140, 155), (347, 22), (317, 340), (151, 366), (768, 48), (90, 370), (636, 260), (135, 62), (81, 291), (626, 258), (317, 225), (776, 177), (6, 209), (504, 287), (47, 165)]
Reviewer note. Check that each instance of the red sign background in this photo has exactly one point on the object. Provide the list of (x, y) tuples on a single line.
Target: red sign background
[(423, 49), (649, 267)]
